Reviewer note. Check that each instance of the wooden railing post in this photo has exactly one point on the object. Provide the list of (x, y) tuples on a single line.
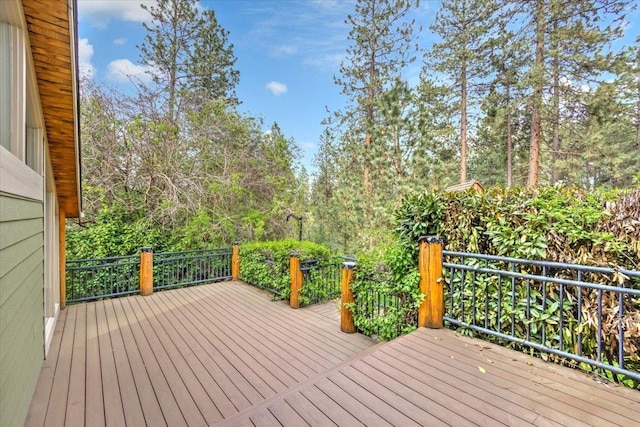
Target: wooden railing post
[(431, 282), (235, 261), (146, 271), (347, 324), (296, 281)]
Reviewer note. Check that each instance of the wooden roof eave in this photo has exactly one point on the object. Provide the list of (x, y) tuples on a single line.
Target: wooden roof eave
[(51, 25)]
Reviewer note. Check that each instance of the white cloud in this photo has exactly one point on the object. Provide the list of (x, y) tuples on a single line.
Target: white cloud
[(123, 71), (284, 50), (101, 12), (277, 88), (85, 53), (120, 41)]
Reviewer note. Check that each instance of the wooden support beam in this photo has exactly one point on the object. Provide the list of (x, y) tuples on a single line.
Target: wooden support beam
[(146, 271), (347, 324), (296, 281), (235, 261), (431, 282), (62, 256)]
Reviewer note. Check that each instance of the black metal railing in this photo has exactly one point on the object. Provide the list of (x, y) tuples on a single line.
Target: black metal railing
[(320, 281), (374, 305), (92, 279), (571, 313), (187, 268)]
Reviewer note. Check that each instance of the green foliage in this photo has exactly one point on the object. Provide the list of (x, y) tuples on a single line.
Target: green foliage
[(266, 264), (554, 223), (560, 224), (386, 293)]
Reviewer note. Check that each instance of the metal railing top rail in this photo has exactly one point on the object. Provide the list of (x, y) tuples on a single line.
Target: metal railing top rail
[(473, 289), (549, 279), (105, 260), (553, 264), (225, 251)]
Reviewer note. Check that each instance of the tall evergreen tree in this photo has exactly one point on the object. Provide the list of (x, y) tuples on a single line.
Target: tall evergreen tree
[(381, 45), (464, 27), (189, 54)]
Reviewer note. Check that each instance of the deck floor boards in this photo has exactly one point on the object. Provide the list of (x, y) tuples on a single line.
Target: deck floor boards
[(225, 354)]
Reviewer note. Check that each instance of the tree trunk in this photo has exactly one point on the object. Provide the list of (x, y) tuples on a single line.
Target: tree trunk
[(509, 138), (638, 120), (555, 150), (463, 124), (536, 119)]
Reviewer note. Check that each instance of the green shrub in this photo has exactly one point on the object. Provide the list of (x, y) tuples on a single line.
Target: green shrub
[(266, 264), (386, 293)]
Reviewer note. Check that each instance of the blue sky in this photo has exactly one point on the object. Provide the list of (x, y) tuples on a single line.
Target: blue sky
[(287, 53)]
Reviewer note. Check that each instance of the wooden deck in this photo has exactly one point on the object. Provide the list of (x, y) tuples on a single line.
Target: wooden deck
[(224, 354)]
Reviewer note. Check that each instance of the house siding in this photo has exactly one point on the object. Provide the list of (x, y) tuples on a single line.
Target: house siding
[(21, 304)]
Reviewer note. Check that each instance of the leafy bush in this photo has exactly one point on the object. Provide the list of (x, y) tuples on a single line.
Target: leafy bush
[(266, 264), (557, 224), (566, 225), (386, 293)]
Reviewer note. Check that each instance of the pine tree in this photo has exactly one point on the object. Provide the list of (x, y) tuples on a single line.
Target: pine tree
[(381, 45), (189, 54), (464, 27)]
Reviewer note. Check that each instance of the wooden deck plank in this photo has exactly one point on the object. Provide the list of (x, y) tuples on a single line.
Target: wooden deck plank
[(540, 372), (131, 404), (311, 414), (427, 398), (57, 405), (94, 410), (271, 349), (374, 399), (169, 406), (114, 411), (177, 388), (324, 332), (297, 354), (487, 389), (40, 400), (218, 363), (572, 402), (213, 380), (331, 409), (150, 406), (355, 407), (286, 415), (397, 399), (225, 354), (280, 320), (460, 397), (76, 399), (264, 418), (207, 412), (266, 381)]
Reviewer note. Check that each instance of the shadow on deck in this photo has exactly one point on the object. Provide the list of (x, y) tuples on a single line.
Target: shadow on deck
[(225, 354)]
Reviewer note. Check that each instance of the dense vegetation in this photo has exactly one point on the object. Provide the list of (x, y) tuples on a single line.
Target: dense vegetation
[(174, 165), (266, 265), (560, 224), (521, 93), (529, 93)]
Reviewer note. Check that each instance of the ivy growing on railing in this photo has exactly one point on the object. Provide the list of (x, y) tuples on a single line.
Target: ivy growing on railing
[(266, 264), (386, 293)]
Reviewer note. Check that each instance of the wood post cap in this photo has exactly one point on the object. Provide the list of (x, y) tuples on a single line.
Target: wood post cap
[(431, 239), (146, 249), (349, 265), (237, 243)]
